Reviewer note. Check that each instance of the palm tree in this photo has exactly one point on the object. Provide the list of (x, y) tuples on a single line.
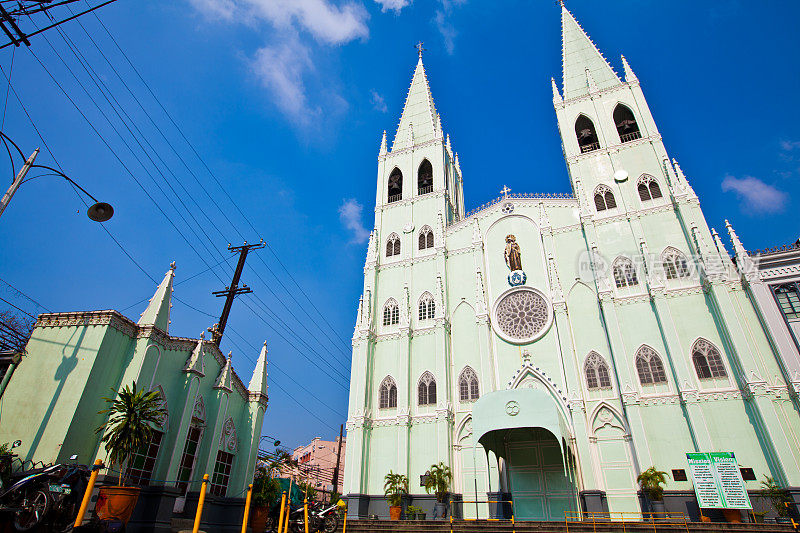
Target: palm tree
[(130, 419)]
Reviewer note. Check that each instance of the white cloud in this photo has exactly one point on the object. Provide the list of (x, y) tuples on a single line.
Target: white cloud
[(756, 195), (280, 69), (350, 216), (378, 102), (327, 22), (447, 30), (788, 146), (396, 5)]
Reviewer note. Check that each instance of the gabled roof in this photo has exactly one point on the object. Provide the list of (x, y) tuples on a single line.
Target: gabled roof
[(582, 62), (419, 122)]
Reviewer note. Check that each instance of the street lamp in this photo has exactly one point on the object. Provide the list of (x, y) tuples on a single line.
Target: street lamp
[(99, 212)]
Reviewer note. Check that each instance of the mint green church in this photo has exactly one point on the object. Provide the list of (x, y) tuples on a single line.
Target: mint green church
[(551, 347)]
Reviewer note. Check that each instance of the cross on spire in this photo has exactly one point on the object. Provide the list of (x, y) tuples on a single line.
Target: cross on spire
[(419, 48), (505, 190)]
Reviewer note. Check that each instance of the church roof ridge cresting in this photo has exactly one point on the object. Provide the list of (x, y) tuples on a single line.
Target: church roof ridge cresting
[(419, 120), (581, 60)]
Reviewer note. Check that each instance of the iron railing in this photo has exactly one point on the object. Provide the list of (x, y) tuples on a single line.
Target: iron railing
[(395, 198), (632, 136), (589, 147)]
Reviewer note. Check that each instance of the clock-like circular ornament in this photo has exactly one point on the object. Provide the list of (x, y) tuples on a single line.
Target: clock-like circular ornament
[(522, 315)]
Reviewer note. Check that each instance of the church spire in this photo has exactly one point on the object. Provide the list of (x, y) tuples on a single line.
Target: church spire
[(383, 144), (224, 378), (629, 75), (157, 312), (258, 383), (419, 112), (581, 60)]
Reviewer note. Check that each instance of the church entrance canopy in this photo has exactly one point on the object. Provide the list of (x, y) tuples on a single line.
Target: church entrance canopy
[(525, 432)]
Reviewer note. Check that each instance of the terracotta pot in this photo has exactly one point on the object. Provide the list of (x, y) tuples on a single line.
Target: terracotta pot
[(394, 512), (734, 516), (704, 518), (258, 518), (116, 502)]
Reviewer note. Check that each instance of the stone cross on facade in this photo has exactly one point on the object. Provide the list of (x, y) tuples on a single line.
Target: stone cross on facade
[(419, 48), (505, 190)]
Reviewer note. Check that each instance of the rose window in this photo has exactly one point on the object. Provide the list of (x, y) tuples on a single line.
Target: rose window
[(522, 315)]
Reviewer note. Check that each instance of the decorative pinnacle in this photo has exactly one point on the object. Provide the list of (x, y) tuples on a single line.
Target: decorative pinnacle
[(505, 190), (419, 48), (556, 95), (172, 266), (629, 75)]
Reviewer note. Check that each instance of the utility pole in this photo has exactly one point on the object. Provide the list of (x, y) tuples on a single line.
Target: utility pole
[(17, 181), (233, 290), (338, 460)]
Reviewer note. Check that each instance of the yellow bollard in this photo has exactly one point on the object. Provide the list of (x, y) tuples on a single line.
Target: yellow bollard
[(88, 494), (283, 508), (288, 507), (200, 503), (305, 512), (247, 507), (344, 528)]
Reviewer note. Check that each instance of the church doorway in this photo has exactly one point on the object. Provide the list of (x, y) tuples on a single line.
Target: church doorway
[(537, 475)]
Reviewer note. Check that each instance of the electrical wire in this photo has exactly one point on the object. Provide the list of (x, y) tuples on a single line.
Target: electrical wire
[(10, 73)]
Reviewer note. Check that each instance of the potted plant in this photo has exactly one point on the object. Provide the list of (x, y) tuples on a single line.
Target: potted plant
[(395, 486), (411, 512), (266, 495), (438, 479), (128, 428), (778, 497), (651, 481)]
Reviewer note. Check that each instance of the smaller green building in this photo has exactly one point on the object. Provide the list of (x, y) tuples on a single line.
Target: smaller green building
[(74, 359)]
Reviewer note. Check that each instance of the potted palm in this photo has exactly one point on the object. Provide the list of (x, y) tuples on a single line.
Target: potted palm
[(266, 494), (778, 497), (651, 481), (131, 417), (438, 479), (395, 486)]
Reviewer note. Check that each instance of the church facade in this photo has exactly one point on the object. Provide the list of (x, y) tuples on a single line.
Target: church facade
[(550, 347)]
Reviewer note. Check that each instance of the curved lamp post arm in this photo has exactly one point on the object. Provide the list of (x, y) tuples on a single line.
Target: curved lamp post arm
[(59, 173)]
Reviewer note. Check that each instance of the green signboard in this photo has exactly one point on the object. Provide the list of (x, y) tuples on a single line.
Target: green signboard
[(717, 481)]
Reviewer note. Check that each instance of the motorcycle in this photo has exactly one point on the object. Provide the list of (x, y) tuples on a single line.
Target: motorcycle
[(329, 516), (50, 493)]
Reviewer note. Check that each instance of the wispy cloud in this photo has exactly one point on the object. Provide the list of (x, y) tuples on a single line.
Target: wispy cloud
[(350, 216), (378, 102), (788, 146), (445, 27), (395, 5), (755, 195), (284, 65)]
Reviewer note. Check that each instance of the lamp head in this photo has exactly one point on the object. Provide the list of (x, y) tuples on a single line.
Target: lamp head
[(100, 212)]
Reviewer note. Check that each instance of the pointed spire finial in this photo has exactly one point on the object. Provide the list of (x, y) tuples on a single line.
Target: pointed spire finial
[(258, 383), (629, 75), (579, 54), (556, 95), (418, 109), (383, 144), (419, 48), (158, 310)]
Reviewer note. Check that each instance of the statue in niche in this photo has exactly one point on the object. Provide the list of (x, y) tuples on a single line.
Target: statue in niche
[(512, 253)]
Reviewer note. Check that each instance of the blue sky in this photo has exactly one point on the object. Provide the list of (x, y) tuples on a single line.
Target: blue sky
[(285, 101)]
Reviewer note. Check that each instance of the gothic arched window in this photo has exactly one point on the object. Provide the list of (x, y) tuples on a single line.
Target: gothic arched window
[(596, 369), (393, 245), (788, 297), (627, 128), (674, 263), (624, 273), (425, 177), (587, 136), (426, 389), (391, 313), (395, 186), (427, 307), (649, 367), (707, 360), (387, 394), (604, 198), (648, 188), (468, 389), (425, 238)]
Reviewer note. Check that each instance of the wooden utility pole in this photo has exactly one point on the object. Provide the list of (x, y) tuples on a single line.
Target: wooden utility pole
[(338, 460), (233, 290)]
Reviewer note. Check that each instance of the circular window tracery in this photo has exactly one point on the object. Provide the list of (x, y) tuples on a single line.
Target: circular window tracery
[(522, 315)]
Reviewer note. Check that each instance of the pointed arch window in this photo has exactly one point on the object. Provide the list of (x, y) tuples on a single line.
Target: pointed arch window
[(648, 188), (707, 360), (427, 307), (788, 297), (627, 128), (393, 245), (675, 265), (604, 198), (425, 238), (391, 313), (624, 273), (426, 389), (596, 369), (425, 177), (468, 389), (387, 394), (586, 134), (649, 367), (395, 186)]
